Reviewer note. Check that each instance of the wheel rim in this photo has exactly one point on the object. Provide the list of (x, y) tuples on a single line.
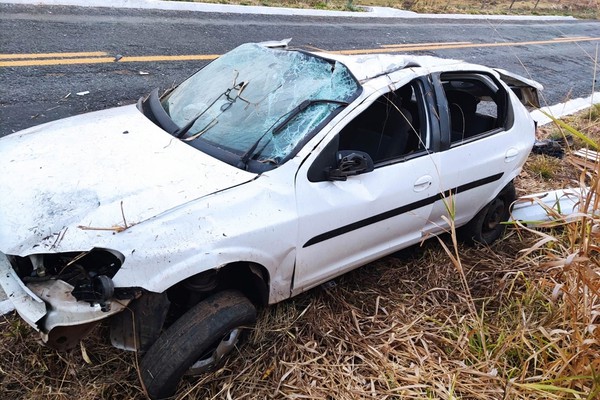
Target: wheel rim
[(494, 216), (214, 355)]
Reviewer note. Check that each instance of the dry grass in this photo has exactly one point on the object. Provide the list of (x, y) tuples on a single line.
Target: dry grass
[(577, 8), (494, 324), (542, 172)]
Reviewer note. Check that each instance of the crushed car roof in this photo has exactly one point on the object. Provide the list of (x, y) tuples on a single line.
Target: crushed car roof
[(365, 67)]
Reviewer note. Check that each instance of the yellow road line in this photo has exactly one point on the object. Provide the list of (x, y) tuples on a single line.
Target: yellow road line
[(45, 59), (103, 60), (385, 46), (52, 55), (571, 38), (35, 63), (170, 58), (462, 46)]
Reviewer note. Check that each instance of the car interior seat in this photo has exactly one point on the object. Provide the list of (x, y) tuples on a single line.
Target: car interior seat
[(462, 106), (381, 130), (464, 119)]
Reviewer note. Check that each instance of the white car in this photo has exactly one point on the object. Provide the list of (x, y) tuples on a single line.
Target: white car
[(268, 172)]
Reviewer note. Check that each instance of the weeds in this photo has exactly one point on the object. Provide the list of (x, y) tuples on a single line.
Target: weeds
[(544, 167)]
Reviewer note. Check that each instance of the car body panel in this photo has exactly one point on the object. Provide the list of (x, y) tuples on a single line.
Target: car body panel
[(208, 234), (544, 208), (134, 172), (347, 224), (494, 160)]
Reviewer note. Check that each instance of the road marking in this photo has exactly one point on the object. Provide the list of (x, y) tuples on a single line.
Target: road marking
[(385, 46), (52, 55), (46, 59), (571, 37), (40, 63), (424, 47), (170, 58), (104, 60)]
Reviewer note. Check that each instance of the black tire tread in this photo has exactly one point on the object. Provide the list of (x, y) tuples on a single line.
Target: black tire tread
[(187, 339), (471, 232)]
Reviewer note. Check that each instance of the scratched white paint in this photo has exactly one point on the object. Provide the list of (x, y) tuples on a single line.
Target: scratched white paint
[(93, 170)]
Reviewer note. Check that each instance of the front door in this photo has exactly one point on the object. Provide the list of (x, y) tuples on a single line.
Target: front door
[(345, 224)]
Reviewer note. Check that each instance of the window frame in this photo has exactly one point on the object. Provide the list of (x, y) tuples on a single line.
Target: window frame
[(427, 123), (501, 98)]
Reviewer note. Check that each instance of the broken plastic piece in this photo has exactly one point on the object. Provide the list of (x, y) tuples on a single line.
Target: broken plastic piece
[(98, 289), (551, 147), (534, 209)]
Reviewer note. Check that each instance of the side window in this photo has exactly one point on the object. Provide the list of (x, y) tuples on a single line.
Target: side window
[(394, 126), (475, 104)]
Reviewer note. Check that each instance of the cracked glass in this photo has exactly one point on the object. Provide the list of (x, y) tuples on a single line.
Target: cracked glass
[(260, 103)]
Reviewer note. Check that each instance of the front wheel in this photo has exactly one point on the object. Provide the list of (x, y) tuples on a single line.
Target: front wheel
[(487, 225), (196, 342)]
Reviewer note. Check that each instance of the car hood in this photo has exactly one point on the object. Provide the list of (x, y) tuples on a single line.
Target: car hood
[(102, 171)]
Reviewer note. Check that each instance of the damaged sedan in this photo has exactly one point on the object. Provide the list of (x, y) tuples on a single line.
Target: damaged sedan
[(268, 172)]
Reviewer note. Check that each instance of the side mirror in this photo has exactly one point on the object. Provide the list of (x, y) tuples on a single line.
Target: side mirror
[(349, 163)]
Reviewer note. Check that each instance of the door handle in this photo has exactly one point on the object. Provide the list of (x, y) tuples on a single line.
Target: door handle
[(422, 183), (511, 154)]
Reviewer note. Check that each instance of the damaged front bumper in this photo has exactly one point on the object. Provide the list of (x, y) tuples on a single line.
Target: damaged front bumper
[(50, 307), (29, 306)]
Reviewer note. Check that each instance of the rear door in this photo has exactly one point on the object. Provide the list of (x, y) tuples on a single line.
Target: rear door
[(484, 142)]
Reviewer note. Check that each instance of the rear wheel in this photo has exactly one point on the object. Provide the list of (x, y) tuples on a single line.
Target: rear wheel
[(487, 225), (197, 342)]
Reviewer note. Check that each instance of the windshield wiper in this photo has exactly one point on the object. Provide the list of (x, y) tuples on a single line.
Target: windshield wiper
[(185, 128), (301, 107), (179, 133), (277, 127)]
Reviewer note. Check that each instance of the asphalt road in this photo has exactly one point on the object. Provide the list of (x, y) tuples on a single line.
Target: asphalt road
[(33, 92)]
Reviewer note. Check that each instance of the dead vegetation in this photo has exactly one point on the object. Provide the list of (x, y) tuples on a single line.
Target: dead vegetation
[(576, 8), (544, 172), (496, 323)]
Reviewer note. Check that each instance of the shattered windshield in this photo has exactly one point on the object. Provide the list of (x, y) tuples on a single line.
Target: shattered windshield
[(259, 103)]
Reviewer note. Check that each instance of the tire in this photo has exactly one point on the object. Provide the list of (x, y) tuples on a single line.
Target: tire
[(201, 338), (487, 225)]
